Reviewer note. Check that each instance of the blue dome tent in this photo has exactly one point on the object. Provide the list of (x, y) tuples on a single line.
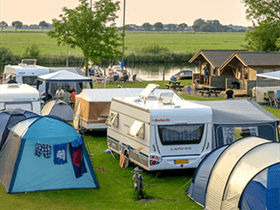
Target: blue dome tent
[(30, 162), (10, 117), (244, 175)]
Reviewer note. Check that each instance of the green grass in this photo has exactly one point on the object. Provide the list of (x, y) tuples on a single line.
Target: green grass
[(116, 184), (177, 42)]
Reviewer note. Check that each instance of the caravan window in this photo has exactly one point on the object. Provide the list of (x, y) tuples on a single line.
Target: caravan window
[(25, 106), (30, 80), (231, 134), (180, 134), (137, 129), (113, 119)]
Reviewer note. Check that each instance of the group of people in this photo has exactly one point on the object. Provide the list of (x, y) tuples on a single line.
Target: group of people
[(67, 95)]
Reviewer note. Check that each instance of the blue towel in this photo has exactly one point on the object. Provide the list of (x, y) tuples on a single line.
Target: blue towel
[(60, 153), (77, 142)]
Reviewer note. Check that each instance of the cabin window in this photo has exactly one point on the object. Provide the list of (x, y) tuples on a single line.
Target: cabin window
[(113, 119), (232, 134), (30, 80), (180, 134), (137, 129)]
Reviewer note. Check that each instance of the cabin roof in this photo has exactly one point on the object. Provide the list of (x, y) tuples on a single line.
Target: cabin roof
[(255, 58), (214, 57)]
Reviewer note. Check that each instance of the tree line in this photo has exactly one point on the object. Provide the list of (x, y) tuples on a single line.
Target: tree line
[(199, 25), (19, 25)]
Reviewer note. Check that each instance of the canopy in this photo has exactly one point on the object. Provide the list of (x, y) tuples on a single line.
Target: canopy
[(62, 76), (238, 112), (270, 75)]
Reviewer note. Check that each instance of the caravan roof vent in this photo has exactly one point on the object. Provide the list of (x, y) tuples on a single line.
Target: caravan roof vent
[(29, 61), (166, 98), (148, 90)]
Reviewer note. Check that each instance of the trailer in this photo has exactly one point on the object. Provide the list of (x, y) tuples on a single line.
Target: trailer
[(159, 132), (20, 96)]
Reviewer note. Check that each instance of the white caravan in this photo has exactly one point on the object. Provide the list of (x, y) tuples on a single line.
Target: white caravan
[(20, 96), (159, 133), (24, 74)]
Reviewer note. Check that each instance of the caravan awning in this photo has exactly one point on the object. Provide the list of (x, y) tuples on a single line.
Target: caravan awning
[(238, 112), (270, 75)]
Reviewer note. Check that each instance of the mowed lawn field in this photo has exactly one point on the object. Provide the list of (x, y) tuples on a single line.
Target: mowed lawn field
[(166, 191), (177, 42)]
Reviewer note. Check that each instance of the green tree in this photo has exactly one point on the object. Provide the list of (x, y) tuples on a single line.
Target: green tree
[(197, 24), (147, 26), (3, 24), (158, 26), (182, 26), (32, 51), (265, 15), (171, 27), (43, 25), (263, 37), (17, 24), (93, 31)]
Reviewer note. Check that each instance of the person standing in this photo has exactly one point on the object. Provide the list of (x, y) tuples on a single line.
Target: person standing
[(229, 94), (73, 94), (59, 93), (189, 88), (67, 96), (195, 86), (205, 75)]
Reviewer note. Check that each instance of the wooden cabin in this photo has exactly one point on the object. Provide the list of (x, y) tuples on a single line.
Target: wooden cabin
[(213, 59), (237, 69), (241, 68)]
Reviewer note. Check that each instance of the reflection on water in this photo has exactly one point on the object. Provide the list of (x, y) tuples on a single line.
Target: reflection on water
[(156, 72), (161, 74)]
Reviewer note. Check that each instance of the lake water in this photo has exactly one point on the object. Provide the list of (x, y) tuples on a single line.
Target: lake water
[(160, 74)]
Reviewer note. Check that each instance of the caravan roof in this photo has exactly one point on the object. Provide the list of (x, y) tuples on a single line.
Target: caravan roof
[(106, 95), (174, 112), (18, 92)]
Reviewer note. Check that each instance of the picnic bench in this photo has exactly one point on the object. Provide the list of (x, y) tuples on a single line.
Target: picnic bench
[(209, 90), (174, 85)]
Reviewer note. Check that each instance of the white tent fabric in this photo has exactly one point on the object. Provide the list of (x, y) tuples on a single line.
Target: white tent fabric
[(224, 167), (253, 162), (63, 75), (270, 75)]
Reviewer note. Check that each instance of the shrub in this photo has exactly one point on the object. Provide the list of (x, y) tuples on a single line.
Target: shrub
[(32, 51), (154, 49)]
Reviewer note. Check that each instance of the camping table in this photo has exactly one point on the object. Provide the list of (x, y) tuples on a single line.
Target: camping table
[(209, 90), (174, 85)]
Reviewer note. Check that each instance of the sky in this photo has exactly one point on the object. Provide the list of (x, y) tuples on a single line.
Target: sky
[(137, 11)]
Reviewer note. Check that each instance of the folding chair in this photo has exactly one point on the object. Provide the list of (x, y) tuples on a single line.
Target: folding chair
[(277, 99)]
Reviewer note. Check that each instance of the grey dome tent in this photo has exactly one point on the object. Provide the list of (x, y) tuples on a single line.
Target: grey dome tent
[(242, 175), (10, 117), (44, 153), (58, 108)]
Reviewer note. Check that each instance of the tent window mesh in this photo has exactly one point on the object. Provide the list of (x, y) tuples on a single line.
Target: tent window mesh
[(180, 134), (232, 134), (113, 119)]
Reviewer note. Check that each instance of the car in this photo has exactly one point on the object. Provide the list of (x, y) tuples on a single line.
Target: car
[(183, 74)]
